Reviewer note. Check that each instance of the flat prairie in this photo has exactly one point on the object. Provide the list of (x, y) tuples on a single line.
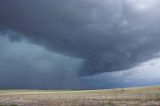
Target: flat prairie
[(143, 96)]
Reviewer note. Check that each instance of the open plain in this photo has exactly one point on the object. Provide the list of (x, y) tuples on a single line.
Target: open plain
[(146, 96)]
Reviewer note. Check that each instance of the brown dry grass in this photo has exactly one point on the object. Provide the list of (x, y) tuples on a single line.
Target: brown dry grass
[(147, 96)]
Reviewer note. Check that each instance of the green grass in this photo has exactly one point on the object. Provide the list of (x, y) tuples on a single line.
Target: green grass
[(13, 105)]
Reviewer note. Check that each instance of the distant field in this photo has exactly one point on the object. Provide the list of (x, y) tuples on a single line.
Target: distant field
[(146, 96)]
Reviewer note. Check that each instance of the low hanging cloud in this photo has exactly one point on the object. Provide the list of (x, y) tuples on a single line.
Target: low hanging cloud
[(27, 66), (109, 35), (145, 74)]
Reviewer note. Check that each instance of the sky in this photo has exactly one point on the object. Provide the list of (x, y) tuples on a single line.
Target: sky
[(79, 44)]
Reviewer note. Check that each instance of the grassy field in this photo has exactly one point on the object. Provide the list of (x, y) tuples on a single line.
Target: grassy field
[(146, 96)]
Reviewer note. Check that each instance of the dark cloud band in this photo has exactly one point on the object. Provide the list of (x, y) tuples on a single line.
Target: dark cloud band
[(109, 35)]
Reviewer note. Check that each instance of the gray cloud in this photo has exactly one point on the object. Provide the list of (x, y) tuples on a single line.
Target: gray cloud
[(109, 35), (145, 74), (24, 65)]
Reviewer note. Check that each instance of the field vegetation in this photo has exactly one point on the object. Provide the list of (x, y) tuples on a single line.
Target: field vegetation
[(146, 96)]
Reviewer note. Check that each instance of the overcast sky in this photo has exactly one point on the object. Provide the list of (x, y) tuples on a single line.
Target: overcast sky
[(79, 44)]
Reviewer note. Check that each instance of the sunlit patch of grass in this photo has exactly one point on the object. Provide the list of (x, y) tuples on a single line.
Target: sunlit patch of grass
[(13, 105)]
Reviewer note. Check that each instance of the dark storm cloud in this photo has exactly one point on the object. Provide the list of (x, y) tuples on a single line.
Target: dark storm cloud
[(24, 65), (145, 74), (111, 35)]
